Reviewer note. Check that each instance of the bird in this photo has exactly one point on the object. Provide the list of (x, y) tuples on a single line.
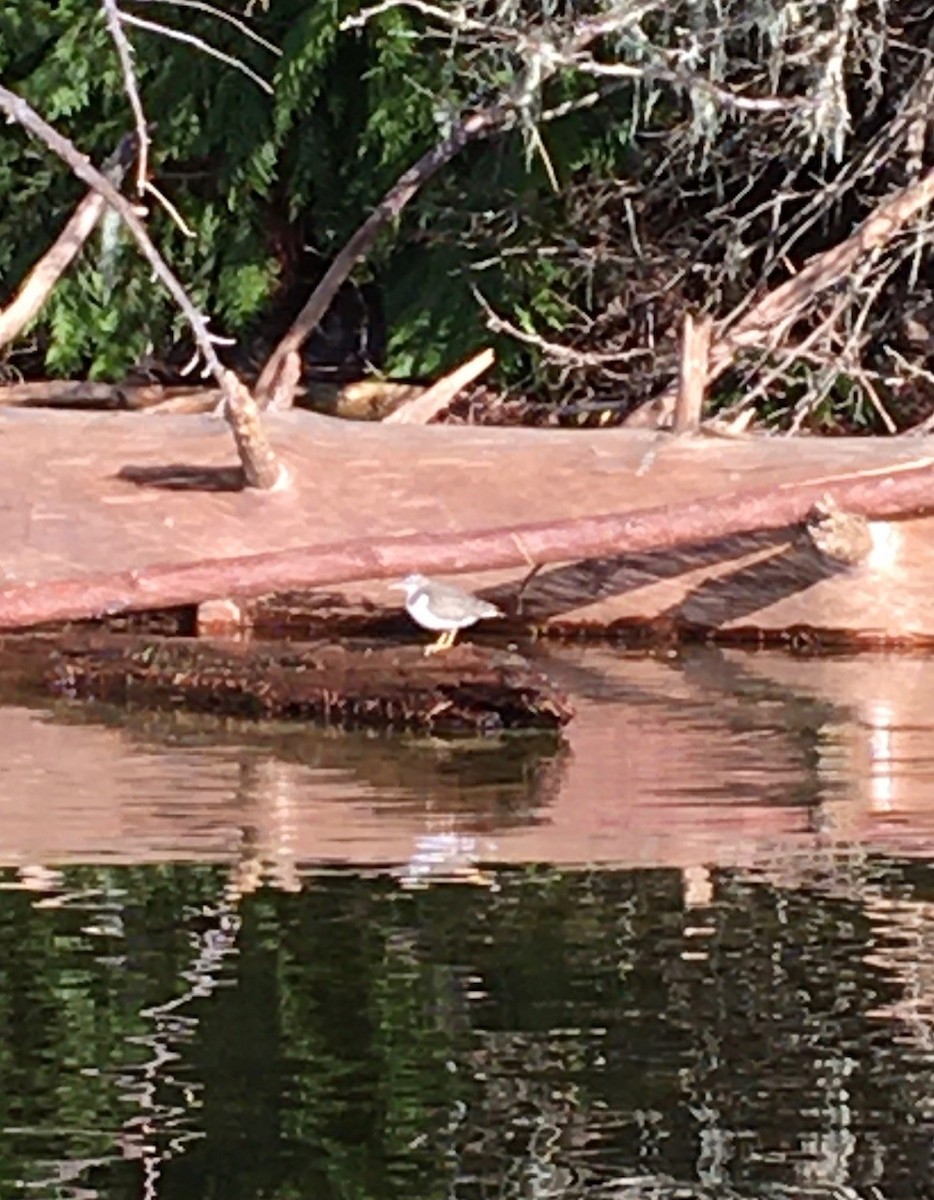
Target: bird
[(443, 608)]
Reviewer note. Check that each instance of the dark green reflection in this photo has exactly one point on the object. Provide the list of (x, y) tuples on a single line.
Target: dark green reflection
[(562, 1034)]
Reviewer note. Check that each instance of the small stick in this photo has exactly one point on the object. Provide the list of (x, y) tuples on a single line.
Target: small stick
[(421, 409)]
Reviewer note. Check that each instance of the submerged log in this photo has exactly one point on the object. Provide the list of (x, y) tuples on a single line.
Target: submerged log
[(466, 689)]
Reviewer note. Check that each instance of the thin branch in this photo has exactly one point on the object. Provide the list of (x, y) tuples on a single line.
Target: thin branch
[(200, 44), (219, 13), (563, 354), (455, 17), (684, 79), (150, 189), (125, 54)]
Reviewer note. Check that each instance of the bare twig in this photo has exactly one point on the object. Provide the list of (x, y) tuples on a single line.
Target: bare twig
[(240, 26), (683, 79), (553, 350), (200, 44), (259, 465), (455, 17)]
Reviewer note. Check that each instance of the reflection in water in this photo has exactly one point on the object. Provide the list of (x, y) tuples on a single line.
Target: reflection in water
[(695, 955), (566, 1033)]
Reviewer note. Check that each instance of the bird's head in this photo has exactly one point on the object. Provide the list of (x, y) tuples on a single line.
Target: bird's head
[(410, 584)]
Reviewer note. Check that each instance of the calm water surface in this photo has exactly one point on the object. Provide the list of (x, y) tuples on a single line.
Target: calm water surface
[(685, 951)]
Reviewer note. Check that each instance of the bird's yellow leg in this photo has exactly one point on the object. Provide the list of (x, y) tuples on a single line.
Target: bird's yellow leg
[(444, 642), (438, 646)]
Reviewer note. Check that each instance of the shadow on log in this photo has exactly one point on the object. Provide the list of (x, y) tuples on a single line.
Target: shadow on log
[(468, 689)]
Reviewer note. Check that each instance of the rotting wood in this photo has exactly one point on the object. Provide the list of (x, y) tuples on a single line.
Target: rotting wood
[(468, 689)]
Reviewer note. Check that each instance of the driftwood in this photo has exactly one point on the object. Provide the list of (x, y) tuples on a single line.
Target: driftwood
[(395, 686), (119, 397), (692, 380), (640, 528), (892, 492)]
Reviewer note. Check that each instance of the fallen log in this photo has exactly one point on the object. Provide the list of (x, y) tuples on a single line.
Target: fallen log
[(636, 525), (894, 493), (354, 686)]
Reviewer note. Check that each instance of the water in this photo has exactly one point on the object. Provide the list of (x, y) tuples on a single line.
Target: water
[(687, 951)]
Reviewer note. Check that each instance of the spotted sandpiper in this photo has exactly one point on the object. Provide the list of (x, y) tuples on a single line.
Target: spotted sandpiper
[(443, 608)]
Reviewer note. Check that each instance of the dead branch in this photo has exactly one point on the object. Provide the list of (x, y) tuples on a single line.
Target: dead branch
[(543, 62), (551, 350), (256, 455), (40, 281), (125, 54), (769, 321), (473, 128), (261, 467), (180, 35), (884, 493), (421, 409)]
